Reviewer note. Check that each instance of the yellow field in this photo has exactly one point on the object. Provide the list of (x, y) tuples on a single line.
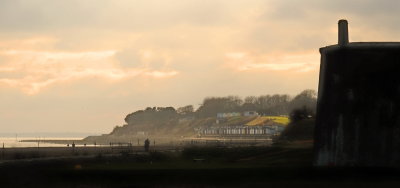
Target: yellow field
[(277, 119)]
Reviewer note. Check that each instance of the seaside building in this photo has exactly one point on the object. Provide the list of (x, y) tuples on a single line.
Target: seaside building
[(241, 131), (250, 113)]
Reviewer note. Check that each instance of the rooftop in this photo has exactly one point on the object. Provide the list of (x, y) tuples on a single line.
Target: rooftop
[(343, 41)]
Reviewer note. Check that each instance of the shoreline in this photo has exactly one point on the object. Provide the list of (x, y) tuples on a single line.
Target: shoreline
[(43, 153), (217, 140), (56, 141)]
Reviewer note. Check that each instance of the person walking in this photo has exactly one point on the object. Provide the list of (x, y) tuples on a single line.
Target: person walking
[(146, 145)]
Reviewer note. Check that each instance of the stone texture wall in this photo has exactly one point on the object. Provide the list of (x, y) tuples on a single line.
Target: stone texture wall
[(358, 111)]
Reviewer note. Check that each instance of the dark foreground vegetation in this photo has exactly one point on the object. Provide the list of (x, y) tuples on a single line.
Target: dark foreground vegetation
[(288, 165)]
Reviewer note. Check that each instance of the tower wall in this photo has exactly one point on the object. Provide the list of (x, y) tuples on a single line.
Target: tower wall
[(358, 111)]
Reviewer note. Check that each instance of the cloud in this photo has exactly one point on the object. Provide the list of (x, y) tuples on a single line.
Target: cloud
[(314, 14), (130, 58), (45, 15), (161, 74), (299, 10), (142, 58), (46, 56), (37, 70), (300, 62), (125, 55)]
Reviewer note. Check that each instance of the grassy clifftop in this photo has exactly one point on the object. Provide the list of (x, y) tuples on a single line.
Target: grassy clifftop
[(177, 127), (265, 120)]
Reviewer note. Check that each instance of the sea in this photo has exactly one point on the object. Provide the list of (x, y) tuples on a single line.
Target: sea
[(13, 142), (8, 140)]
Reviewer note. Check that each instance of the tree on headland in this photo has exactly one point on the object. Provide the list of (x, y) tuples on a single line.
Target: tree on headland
[(277, 104), (301, 126), (302, 117), (185, 110), (167, 120), (301, 113), (307, 98), (213, 105), (273, 104)]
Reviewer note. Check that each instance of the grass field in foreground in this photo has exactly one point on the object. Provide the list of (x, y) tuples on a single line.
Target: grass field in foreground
[(286, 165)]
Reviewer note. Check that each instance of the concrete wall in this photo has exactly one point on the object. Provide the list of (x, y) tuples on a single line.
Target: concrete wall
[(358, 111)]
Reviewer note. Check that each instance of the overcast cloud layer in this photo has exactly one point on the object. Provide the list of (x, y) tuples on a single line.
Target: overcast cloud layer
[(83, 65)]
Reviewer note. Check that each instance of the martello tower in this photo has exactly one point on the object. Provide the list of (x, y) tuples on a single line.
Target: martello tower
[(358, 111)]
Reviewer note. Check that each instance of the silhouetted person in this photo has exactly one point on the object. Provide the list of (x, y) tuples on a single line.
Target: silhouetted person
[(73, 146), (146, 145)]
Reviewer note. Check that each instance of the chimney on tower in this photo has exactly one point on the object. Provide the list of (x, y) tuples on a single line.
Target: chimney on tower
[(343, 33)]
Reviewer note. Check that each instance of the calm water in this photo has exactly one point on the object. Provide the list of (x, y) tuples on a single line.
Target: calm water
[(14, 142)]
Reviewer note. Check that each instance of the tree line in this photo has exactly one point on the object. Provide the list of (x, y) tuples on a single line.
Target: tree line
[(278, 104)]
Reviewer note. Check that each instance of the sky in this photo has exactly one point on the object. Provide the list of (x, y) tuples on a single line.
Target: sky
[(83, 65)]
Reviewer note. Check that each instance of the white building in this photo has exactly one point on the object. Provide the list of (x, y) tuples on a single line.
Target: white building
[(250, 113)]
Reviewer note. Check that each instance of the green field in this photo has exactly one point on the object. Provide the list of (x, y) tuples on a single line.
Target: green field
[(283, 120)]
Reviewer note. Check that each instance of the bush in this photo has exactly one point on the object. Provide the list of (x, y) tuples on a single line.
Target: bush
[(299, 130)]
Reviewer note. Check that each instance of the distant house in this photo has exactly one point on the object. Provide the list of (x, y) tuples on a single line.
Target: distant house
[(250, 113), (235, 114), (227, 115), (221, 117)]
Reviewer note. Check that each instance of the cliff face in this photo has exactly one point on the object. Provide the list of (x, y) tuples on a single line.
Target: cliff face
[(166, 130), (358, 111)]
